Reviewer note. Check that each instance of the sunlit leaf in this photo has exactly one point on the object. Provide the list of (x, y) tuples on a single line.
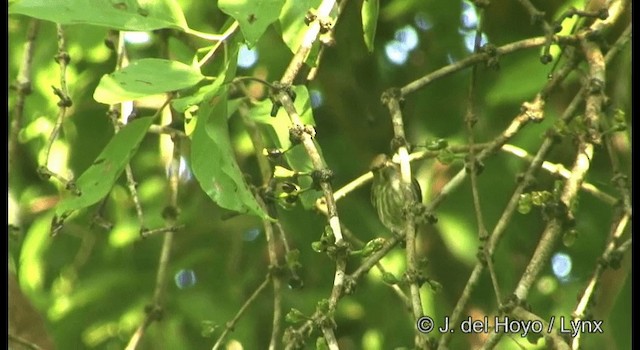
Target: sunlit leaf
[(276, 131), (183, 103), (98, 179), (294, 28), (94, 288), (254, 16), (145, 77), (212, 154), (292, 21), (213, 161), (460, 238), (278, 126), (140, 15), (370, 9), (294, 316), (34, 247)]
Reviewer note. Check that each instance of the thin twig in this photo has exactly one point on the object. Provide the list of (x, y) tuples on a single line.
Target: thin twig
[(221, 39), (531, 109), (392, 101), (470, 120), (23, 342), (583, 159), (537, 17), (559, 169), (274, 342), (306, 138), (365, 178), (593, 108), (359, 244), (536, 162), (619, 180), (170, 214), (611, 249), (481, 57), (329, 41), (275, 267), (510, 209), (323, 12), (231, 324), (559, 343), (276, 278), (118, 114), (63, 59), (23, 86)]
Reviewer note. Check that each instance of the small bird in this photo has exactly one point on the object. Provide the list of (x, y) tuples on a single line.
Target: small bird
[(387, 193)]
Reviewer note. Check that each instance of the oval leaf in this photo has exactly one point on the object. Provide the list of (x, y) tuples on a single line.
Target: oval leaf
[(145, 77), (212, 154), (141, 15), (213, 161), (253, 16), (370, 10), (96, 182)]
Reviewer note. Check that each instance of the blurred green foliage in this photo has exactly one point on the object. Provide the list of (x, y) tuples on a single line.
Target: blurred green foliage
[(92, 283)]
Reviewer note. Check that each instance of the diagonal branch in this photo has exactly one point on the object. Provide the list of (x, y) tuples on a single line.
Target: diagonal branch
[(23, 86), (392, 101)]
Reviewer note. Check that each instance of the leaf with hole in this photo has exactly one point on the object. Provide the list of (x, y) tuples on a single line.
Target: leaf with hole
[(254, 16), (145, 77), (134, 15), (96, 182)]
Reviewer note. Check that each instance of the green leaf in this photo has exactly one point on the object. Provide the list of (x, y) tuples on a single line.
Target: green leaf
[(254, 16), (370, 10), (295, 316), (96, 182), (141, 15), (183, 103), (212, 154), (277, 128), (294, 28), (33, 261), (292, 21), (276, 132), (145, 77), (530, 76), (213, 161)]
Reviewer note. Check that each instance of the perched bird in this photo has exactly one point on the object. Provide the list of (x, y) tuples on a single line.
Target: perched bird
[(387, 193)]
